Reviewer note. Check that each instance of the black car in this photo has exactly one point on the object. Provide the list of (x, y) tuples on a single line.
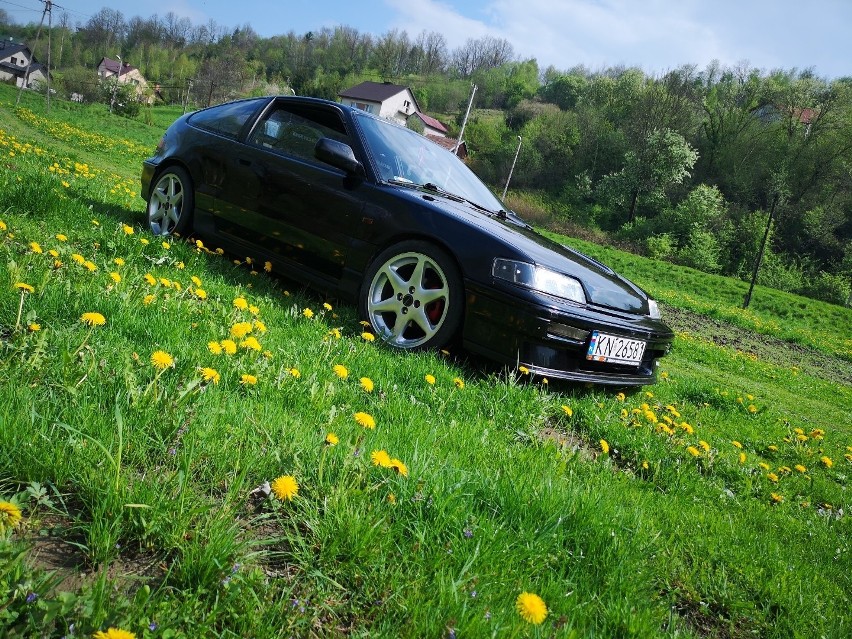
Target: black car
[(374, 213)]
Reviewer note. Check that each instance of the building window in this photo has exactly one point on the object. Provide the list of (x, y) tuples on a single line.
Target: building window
[(363, 106), (14, 60)]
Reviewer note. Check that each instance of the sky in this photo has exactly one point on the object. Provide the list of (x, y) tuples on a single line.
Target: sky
[(655, 35)]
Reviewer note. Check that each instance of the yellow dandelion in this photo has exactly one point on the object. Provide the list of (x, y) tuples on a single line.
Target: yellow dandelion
[(764, 465), (260, 326), (327, 306), (391, 498), (35, 328), (802, 437), (692, 450), (604, 446), (704, 445), (459, 382), (229, 346), (523, 370), (200, 293), (332, 440), (241, 329), (800, 468), (53, 253), (430, 379), (23, 286), (3, 226), (776, 498), (773, 448), (531, 607), (380, 458), (367, 384), (115, 277), (150, 279), (241, 303), (752, 408), (742, 458), (93, 319), (366, 420), (248, 380), (285, 487), (772, 477), (118, 261), (335, 333), (567, 410), (252, 343), (162, 360), (166, 282), (128, 230), (166, 245), (90, 266), (826, 460), (399, 467), (295, 373), (267, 266), (620, 397), (148, 299), (210, 375), (10, 515), (113, 633), (254, 310), (195, 280), (35, 247), (736, 444), (368, 337), (341, 371), (308, 313)]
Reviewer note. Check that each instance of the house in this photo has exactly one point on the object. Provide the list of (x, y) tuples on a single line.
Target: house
[(450, 144), (384, 99), (431, 126), (14, 60), (125, 74)]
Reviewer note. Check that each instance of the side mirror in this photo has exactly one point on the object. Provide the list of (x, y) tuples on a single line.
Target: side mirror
[(339, 155)]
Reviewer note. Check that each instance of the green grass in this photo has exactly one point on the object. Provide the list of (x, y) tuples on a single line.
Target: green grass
[(146, 479)]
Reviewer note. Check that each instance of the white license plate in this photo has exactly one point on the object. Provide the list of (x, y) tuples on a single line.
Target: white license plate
[(618, 350)]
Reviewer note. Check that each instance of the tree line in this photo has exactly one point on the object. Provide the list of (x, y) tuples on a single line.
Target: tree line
[(686, 165)]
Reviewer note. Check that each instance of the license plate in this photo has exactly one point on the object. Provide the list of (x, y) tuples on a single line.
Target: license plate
[(614, 349)]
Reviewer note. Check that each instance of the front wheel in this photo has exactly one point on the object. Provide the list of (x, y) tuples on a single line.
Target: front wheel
[(413, 296), (171, 203)]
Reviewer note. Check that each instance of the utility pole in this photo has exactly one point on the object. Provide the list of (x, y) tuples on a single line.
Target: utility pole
[(115, 86), (760, 253), (464, 122), (47, 5), (511, 170)]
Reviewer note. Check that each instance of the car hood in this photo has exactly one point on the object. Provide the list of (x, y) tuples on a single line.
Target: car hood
[(602, 285)]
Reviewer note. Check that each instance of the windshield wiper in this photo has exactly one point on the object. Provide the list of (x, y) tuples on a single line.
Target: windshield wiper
[(431, 186)]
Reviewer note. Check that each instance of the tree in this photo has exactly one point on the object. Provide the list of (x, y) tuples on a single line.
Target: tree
[(665, 159)]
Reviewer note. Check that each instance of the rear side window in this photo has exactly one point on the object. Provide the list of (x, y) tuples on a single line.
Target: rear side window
[(226, 119)]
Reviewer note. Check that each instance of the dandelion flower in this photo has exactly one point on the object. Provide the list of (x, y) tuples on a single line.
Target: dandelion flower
[(35, 247), (335, 333), (826, 460), (115, 277), (260, 326), (148, 299), (366, 420), (742, 458), (764, 465), (150, 279), (166, 245), (200, 293), (161, 360), (430, 379), (776, 498), (367, 384), (800, 468), (327, 306), (736, 444), (248, 380), (267, 266), (210, 375), (10, 515), (368, 337), (229, 346), (752, 408), (341, 371), (620, 397), (241, 303), (254, 310), (459, 382), (531, 607), (380, 458), (295, 373), (90, 266), (332, 440), (285, 487), (399, 467), (34, 327), (523, 370), (93, 319), (772, 477), (704, 445), (308, 313), (567, 410), (24, 287), (241, 329), (252, 343), (114, 633), (118, 261), (604, 446), (128, 230), (692, 450)]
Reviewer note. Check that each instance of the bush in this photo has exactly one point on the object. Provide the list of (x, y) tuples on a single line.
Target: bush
[(701, 251), (830, 287), (660, 247), (774, 273)]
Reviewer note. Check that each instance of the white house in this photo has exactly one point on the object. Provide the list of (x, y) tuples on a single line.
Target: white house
[(384, 99), (125, 74), (14, 60)]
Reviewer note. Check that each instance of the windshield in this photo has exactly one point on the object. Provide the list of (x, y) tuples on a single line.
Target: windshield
[(403, 155)]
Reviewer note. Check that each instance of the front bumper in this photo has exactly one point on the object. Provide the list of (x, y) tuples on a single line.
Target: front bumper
[(522, 332)]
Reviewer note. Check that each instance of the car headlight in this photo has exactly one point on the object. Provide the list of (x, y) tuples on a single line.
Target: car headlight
[(653, 309), (539, 279)]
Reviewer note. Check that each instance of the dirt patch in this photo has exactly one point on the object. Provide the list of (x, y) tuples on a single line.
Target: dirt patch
[(763, 347)]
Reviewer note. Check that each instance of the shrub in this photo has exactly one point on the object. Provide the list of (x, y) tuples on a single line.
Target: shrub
[(701, 251), (830, 287), (660, 247)]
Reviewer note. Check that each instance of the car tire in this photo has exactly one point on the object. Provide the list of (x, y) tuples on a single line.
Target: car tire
[(171, 203), (413, 296)]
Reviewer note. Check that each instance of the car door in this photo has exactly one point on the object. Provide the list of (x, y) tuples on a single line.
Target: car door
[(284, 202)]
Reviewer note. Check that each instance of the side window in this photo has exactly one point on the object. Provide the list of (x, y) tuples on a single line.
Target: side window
[(295, 129), (226, 119)]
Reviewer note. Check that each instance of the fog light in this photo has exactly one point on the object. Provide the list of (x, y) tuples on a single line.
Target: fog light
[(564, 331)]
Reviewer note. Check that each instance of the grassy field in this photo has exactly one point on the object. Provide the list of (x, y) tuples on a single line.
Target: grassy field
[(193, 447)]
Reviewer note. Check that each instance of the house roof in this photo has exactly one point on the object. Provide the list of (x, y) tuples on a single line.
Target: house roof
[(11, 48), (431, 122), (114, 66), (449, 144), (377, 92)]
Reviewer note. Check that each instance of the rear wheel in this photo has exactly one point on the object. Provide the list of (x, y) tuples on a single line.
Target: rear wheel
[(413, 296), (171, 203)]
